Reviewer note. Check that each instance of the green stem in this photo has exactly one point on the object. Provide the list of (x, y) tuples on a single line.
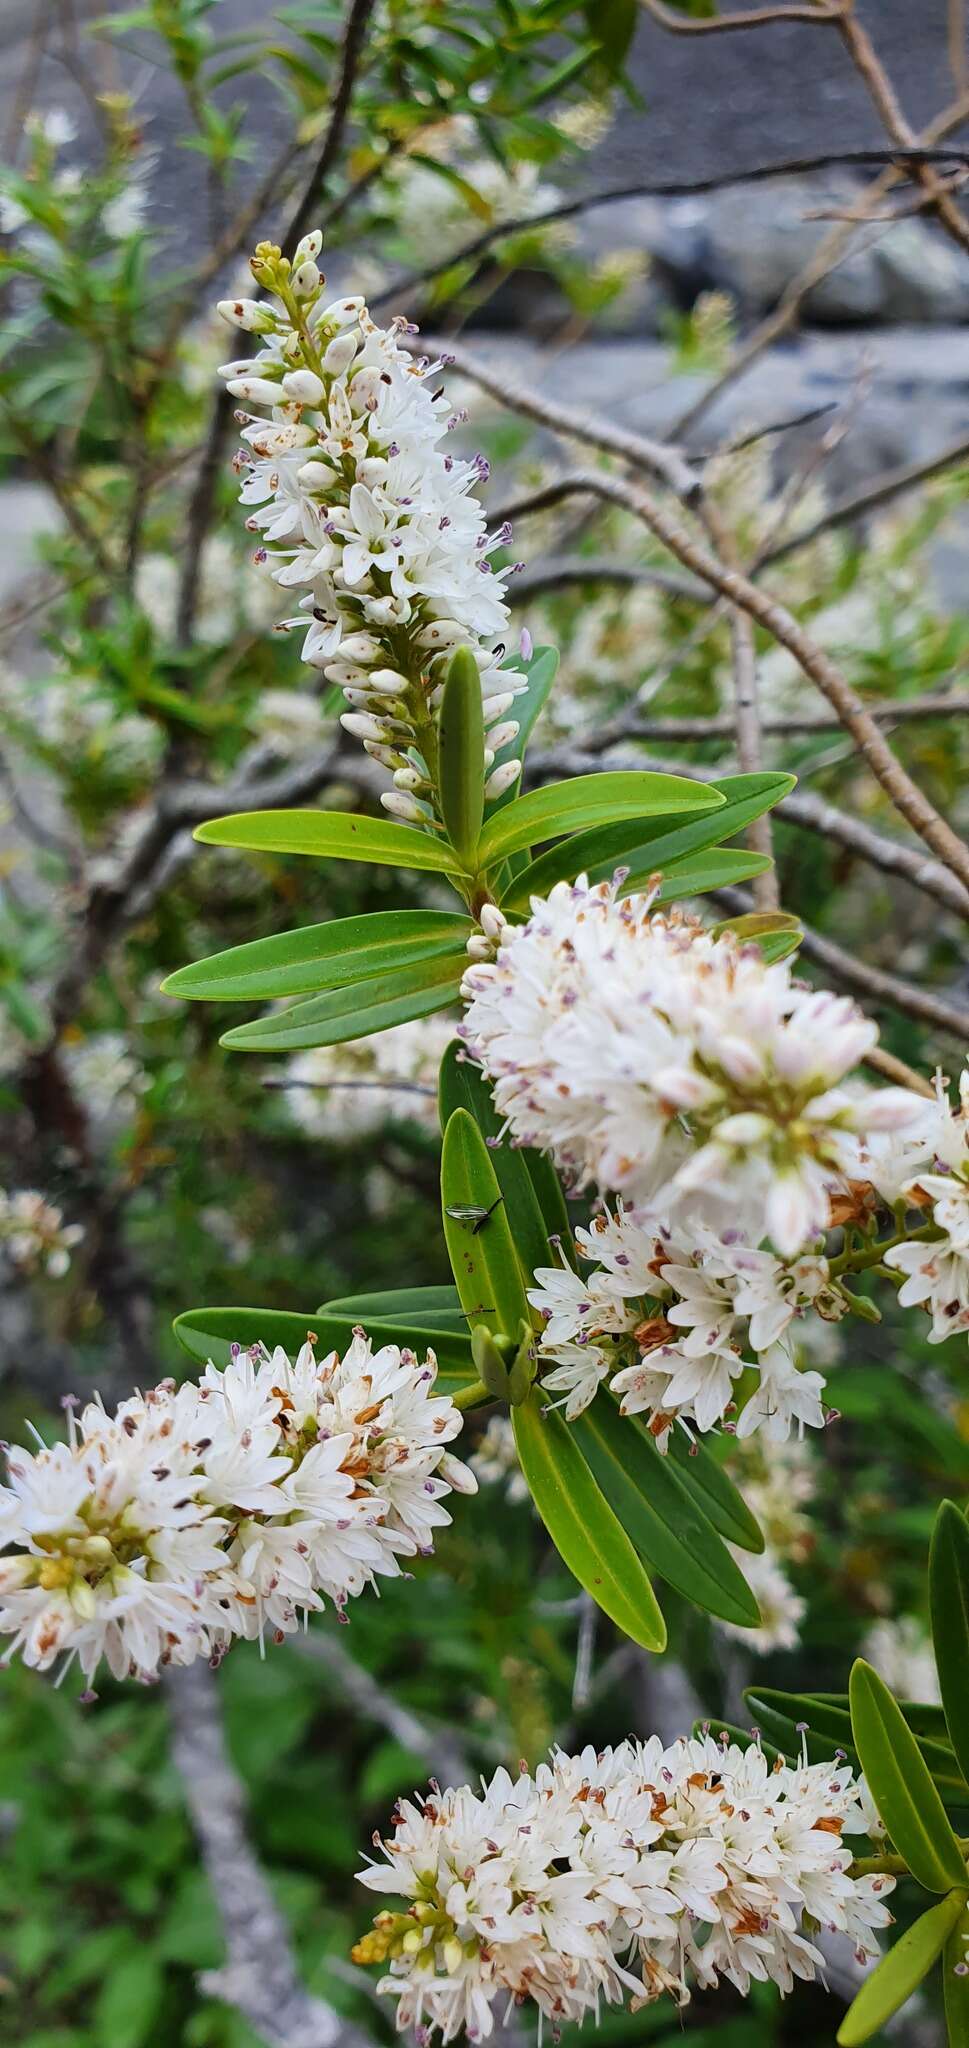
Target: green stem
[(863, 1261), (473, 1396)]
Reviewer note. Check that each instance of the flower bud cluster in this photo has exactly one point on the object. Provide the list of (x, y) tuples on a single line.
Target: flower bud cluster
[(361, 507), (223, 1508), (618, 1876)]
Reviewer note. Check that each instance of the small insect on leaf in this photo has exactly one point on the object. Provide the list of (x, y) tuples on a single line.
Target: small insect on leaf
[(471, 1212)]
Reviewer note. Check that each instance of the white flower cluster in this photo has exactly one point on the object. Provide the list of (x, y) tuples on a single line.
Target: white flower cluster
[(674, 1317), (901, 1651), (344, 1092), (628, 1873), (34, 1235), (363, 510), (677, 1067), (936, 1272), (223, 1508)]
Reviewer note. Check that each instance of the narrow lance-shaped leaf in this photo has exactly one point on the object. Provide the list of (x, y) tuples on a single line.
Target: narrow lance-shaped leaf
[(461, 755), (321, 956), (209, 1333), (827, 1721), (589, 800), (582, 1525), (461, 1086), (372, 1005), (660, 1516), (949, 1594), (486, 1271), (900, 1972), (900, 1784), (332, 835), (645, 849), (955, 1982), (719, 1498)]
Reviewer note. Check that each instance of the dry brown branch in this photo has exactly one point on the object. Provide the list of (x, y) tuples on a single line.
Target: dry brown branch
[(831, 251), (910, 801), (259, 1977), (909, 711), (746, 707), (402, 290), (756, 17), (884, 98), (801, 808)]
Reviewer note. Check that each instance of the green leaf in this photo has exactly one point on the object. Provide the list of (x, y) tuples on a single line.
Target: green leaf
[(209, 1333), (721, 1502), (332, 835), (955, 1982), (372, 1005), (827, 1720), (486, 1271), (900, 1972), (127, 2006), (900, 1784), (462, 1086), (646, 850), (431, 1307), (461, 759), (720, 868), (584, 800), (660, 1515), (949, 1595), (760, 926), (582, 1525), (321, 956)]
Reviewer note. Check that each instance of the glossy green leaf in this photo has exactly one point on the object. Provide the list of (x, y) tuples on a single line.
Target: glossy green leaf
[(321, 956), (462, 1086), (209, 1333), (584, 800), (827, 1720), (721, 868), (582, 1525), (660, 1515), (900, 1784), (759, 924), (486, 1271), (955, 1982), (332, 835), (461, 775), (431, 1307), (372, 1005), (646, 850), (900, 1972), (949, 1595), (722, 1504)]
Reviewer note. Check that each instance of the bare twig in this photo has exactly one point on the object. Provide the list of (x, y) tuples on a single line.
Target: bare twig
[(908, 799), (560, 572), (435, 1747), (758, 835), (868, 64), (888, 485), (831, 251), (756, 17), (259, 1977), (908, 711)]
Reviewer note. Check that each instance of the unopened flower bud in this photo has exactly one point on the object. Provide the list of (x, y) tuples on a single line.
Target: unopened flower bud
[(401, 806), (303, 386), (255, 390), (306, 280), (478, 947), (340, 353), (457, 1473), (502, 735), (495, 707), (504, 778), (491, 920), (249, 314), (362, 726), (309, 248)]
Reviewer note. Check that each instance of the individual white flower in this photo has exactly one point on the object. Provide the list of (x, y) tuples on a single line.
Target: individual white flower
[(225, 1508), (674, 1066), (34, 1235), (362, 507), (615, 1876), (901, 1652)]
